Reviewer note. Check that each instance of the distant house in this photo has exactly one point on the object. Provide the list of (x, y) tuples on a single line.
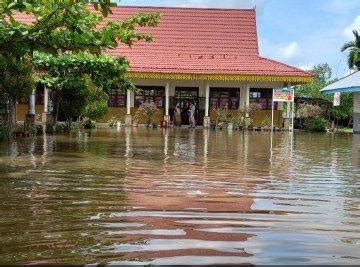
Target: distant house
[(205, 56), (348, 84)]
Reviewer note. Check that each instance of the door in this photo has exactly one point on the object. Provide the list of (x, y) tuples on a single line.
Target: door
[(184, 96)]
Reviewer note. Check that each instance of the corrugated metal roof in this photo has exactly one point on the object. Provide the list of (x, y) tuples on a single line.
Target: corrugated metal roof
[(350, 83)]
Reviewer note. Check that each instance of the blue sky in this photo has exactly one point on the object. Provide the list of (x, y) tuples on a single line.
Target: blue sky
[(298, 32)]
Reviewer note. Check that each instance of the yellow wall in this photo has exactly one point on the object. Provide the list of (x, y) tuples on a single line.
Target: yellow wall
[(258, 117), (119, 114), (22, 109)]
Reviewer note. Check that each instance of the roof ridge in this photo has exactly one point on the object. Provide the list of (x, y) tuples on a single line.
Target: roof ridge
[(186, 8)]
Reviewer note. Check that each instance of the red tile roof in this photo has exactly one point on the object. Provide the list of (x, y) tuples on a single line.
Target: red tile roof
[(200, 41)]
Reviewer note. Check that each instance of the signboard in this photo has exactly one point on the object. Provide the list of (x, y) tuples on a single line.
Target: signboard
[(283, 95), (337, 97)]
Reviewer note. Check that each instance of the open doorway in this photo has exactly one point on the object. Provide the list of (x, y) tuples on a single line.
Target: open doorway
[(184, 96)]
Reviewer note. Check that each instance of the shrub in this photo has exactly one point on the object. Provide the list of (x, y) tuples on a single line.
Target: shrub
[(4, 131), (309, 111), (146, 110), (89, 123), (317, 124), (112, 122), (59, 127)]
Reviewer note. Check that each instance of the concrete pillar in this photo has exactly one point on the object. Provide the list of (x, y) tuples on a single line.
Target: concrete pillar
[(207, 106), (46, 116), (247, 95), (167, 102), (356, 113), (30, 116), (46, 100), (128, 108), (247, 102)]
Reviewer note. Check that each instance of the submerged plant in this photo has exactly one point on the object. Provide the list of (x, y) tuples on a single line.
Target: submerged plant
[(317, 124)]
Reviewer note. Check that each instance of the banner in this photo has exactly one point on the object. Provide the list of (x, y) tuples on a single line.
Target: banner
[(284, 95), (337, 97)]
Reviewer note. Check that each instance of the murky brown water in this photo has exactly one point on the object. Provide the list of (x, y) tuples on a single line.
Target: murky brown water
[(181, 197)]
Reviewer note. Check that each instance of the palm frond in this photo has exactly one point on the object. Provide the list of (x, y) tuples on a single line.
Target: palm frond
[(347, 46), (351, 59)]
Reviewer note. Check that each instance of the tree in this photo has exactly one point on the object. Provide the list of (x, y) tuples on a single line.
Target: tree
[(322, 74), (16, 81), (79, 82), (322, 77), (61, 27), (354, 51)]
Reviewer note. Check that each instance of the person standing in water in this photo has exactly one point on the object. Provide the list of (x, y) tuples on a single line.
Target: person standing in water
[(192, 110)]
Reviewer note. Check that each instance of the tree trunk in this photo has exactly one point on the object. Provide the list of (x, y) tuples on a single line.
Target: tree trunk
[(9, 117)]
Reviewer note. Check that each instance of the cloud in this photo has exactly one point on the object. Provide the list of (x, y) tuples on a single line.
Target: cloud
[(308, 66), (354, 26), (289, 51)]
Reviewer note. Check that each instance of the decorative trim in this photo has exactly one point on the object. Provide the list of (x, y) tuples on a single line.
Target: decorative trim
[(222, 77)]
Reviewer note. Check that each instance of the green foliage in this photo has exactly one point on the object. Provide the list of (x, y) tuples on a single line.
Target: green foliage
[(322, 75), (71, 99), (16, 81), (317, 124), (112, 122), (147, 110), (67, 25), (104, 71), (96, 101), (61, 28), (345, 111), (354, 51), (16, 77), (89, 123), (306, 111), (4, 131), (222, 116)]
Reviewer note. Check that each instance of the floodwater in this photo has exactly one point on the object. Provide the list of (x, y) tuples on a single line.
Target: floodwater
[(181, 197)]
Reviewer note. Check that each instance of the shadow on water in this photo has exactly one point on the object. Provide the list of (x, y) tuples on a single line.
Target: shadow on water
[(181, 196)]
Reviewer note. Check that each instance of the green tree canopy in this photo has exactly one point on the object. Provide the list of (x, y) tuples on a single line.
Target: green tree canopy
[(105, 71), (60, 27), (80, 82), (322, 77), (322, 74), (66, 25)]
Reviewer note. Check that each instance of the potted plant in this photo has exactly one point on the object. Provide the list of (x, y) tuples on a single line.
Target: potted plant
[(112, 122), (221, 117), (230, 122), (147, 110)]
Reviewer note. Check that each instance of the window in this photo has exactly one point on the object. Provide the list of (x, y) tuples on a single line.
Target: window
[(262, 97), (117, 99), (224, 97), (150, 93)]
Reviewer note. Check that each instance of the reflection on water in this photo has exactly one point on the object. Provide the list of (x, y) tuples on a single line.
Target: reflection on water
[(180, 197)]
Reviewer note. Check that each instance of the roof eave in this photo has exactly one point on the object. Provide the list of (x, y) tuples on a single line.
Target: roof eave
[(291, 79)]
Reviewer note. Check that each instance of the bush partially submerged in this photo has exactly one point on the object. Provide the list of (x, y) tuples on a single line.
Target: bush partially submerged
[(317, 124)]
